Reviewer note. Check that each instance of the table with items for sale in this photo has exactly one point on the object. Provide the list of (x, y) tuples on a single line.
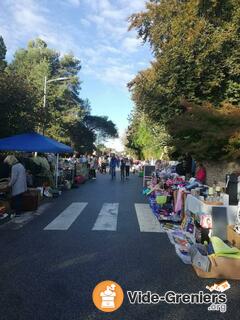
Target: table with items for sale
[(202, 227)]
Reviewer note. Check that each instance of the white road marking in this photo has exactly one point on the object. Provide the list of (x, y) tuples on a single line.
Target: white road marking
[(146, 220), (107, 218), (67, 217)]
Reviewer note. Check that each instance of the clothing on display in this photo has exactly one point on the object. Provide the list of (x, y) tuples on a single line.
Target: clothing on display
[(204, 215)]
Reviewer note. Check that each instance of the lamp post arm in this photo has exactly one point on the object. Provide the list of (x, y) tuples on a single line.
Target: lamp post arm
[(59, 79), (45, 92), (44, 102)]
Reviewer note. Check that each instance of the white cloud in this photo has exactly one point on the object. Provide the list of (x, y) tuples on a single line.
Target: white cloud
[(114, 14), (30, 20), (27, 18), (132, 6), (94, 18), (104, 5), (108, 48), (131, 44), (118, 75), (106, 55), (85, 23), (98, 5), (113, 61), (75, 3)]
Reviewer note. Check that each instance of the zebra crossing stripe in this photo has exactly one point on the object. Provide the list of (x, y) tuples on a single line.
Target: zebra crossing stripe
[(146, 220), (65, 219), (107, 218)]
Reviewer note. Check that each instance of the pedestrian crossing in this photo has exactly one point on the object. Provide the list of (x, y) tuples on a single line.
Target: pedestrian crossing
[(67, 217), (107, 219), (147, 221)]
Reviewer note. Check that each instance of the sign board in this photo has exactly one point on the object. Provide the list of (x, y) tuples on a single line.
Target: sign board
[(148, 170), (147, 173)]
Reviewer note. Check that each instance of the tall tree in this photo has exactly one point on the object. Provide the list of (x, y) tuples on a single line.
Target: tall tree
[(90, 129), (195, 46), (16, 105), (35, 63), (65, 115), (3, 51), (101, 126)]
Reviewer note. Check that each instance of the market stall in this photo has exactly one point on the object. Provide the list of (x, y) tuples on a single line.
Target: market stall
[(29, 143), (199, 221), (72, 172)]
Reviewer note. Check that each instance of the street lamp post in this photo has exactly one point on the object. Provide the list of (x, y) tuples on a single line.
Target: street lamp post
[(44, 110), (45, 94)]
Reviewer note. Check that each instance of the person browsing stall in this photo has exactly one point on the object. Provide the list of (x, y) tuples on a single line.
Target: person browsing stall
[(201, 173), (18, 182), (200, 177)]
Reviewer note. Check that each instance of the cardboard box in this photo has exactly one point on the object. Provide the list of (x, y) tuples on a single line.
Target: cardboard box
[(233, 236), (198, 259), (221, 268), (36, 192), (31, 199)]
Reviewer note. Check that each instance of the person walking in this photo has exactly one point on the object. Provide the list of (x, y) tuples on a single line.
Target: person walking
[(127, 167), (113, 165), (104, 165), (100, 164), (122, 168), (93, 167), (18, 182)]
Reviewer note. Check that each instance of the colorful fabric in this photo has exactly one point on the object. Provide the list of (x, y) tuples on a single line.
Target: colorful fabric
[(221, 249), (179, 201), (201, 175), (206, 221)]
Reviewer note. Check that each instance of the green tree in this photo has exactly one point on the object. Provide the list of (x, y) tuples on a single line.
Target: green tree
[(3, 51), (146, 138), (82, 139), (16, 105), (65, 117), (84, 132), (195, 46), (207, 132), (101, 126), (35, 63)]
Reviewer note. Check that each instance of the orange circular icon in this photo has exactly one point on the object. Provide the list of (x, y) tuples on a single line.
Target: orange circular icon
[(108, 296)]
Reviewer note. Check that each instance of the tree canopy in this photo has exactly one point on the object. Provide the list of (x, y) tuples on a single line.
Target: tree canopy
[(3, 51), (196, 59)]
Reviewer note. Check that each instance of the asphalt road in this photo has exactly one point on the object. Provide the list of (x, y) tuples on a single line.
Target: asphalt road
[(50, 274)]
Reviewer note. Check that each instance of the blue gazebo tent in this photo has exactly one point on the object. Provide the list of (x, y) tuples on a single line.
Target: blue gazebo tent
[(34, 142)]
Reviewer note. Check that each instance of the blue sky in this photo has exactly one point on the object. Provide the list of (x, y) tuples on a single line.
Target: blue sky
[(96, 32)]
